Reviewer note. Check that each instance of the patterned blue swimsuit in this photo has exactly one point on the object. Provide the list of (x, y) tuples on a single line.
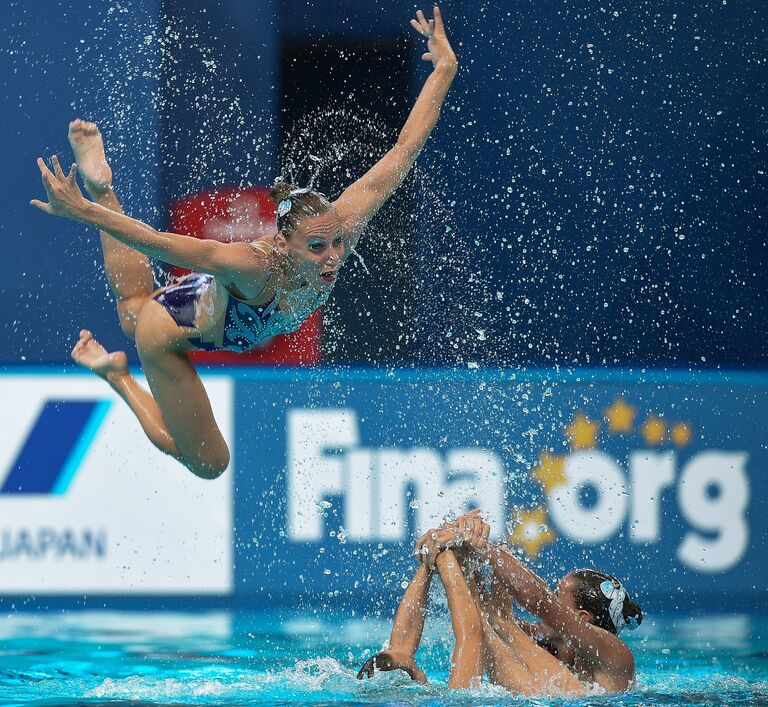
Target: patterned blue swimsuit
[(246, 325)]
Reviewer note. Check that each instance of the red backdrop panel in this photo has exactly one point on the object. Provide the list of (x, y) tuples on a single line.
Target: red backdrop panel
[(231, 214)]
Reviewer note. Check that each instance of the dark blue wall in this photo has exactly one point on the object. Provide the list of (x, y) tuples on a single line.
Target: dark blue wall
[(607, 164), (97, 62), (219, 95)]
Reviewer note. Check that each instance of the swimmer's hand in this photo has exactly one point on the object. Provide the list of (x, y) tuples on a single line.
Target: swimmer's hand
[(434, 541), (391, 660), (64, 195), (474, 530), (468, 531), (439, 50)]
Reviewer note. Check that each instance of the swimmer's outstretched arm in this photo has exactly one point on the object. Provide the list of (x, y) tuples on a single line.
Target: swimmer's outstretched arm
[(359, 202), (227, 261), (406, 631), (409, 620)]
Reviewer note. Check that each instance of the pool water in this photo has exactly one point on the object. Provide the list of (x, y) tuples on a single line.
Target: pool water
[(281, 657)]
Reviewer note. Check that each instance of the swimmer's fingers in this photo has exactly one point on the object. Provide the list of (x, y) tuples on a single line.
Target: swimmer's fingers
[(443, 540), (476, 534), (43, 206), (469, 529), (424, 26), (448, 537), (368, 668), (426, 548), (430, 552), (45, 174), (437, 23), (485, 535), (479, 537), (419, 546), (466, 523), (57, 170), (72, 176), (416, 26)]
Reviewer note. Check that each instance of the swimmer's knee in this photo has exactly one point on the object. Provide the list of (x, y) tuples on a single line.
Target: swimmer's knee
[(211, 468)]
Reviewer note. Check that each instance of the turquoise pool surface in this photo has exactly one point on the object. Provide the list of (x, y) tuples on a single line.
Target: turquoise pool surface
[(288, 657)]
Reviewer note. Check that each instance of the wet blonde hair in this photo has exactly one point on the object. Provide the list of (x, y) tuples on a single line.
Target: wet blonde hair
[(295, 204)]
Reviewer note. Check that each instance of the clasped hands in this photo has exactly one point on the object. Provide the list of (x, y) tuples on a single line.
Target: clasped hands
[(469, 532)]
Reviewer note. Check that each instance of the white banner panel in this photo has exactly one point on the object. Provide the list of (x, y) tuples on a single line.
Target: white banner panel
[(88, 505)]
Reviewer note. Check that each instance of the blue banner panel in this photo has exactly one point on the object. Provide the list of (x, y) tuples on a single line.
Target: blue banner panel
[(657, 478), (43, 464)]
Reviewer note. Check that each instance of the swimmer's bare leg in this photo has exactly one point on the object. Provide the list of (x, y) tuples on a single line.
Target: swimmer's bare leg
[(504, 658), (128, 271), (520, 665), (512, 658), (406, 631), (113, 368)]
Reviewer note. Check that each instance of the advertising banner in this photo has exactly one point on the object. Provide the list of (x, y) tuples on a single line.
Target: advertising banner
[(658, 479), (89, 506)]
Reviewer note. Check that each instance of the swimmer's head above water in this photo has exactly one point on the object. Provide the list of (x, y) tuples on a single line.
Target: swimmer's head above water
[(309, 234), (601, 598)]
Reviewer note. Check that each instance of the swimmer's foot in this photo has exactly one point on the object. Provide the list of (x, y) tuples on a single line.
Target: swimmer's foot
[(391, 660), (90, 353), (88, 147)]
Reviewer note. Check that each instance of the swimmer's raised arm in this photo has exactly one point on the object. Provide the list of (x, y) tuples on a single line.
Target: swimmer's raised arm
[(409, 620), (229, 262), (406, 631), (359, 202)]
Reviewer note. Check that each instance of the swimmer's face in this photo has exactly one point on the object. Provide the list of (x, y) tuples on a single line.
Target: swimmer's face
[(315, 249)]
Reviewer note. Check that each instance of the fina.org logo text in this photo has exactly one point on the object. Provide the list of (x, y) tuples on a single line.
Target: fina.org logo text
[(325, 459)]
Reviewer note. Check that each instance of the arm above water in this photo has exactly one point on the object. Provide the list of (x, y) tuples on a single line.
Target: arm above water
[(406, 631), (409, 619), (229, 262), (360, 201)]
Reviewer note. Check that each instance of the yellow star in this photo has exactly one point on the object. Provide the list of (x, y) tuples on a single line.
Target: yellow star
[(620, 416), (681, 434), (549, 471), (654, 429), (582, 432), (532, 530)]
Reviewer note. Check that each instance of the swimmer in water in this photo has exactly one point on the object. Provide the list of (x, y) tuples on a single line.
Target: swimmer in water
[(240, 293), (574, 648)]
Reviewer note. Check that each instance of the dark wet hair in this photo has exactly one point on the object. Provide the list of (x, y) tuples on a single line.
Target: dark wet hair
[(590, 597), (295, 204)]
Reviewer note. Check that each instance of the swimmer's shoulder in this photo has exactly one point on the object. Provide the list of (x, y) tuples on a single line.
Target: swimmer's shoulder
[(258, 268)]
